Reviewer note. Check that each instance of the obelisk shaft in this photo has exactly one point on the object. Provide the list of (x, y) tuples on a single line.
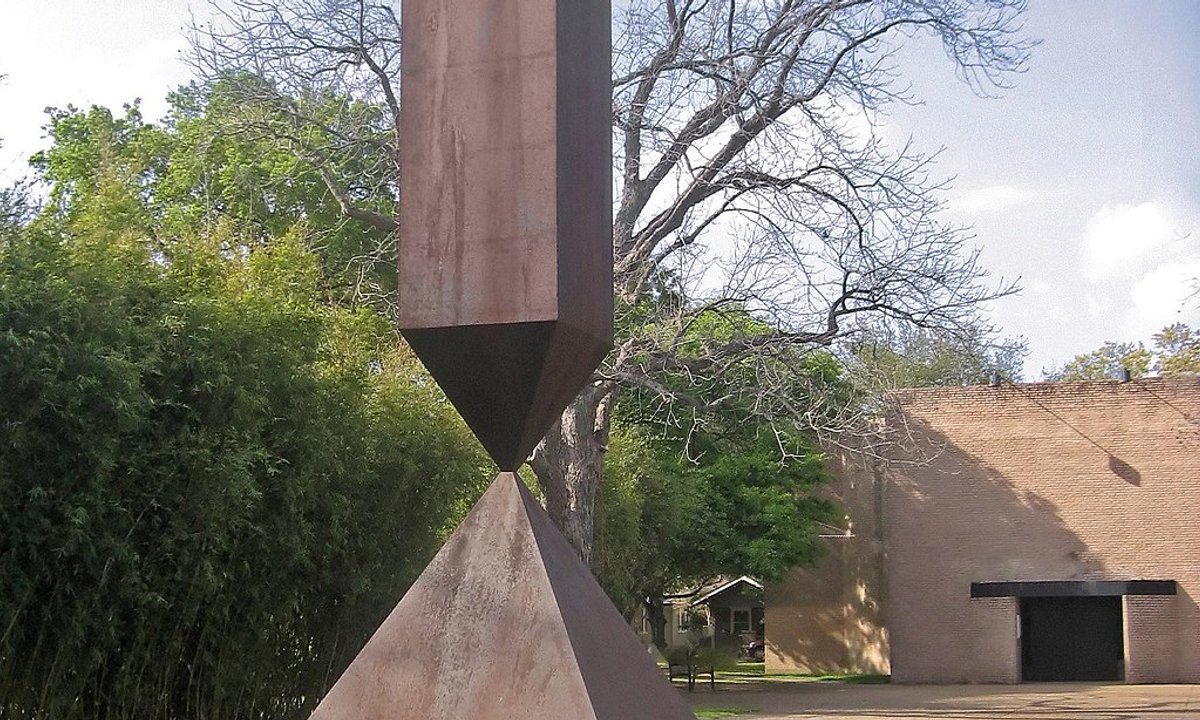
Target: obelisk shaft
[(505, 248)]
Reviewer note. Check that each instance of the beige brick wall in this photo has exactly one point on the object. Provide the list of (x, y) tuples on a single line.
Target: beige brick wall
[(1151, 639), (1096, 480), (829, 618)]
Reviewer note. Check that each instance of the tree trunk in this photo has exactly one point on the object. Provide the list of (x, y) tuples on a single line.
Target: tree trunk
[(569, 461), (658, 619)]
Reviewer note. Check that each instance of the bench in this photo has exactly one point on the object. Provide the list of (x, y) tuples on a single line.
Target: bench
[(691, 671)]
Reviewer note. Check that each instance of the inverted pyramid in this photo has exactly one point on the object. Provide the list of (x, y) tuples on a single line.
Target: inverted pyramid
[(506, 623), (509, 381)]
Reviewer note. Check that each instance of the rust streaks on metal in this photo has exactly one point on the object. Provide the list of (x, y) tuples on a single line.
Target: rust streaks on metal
[(505, 249)]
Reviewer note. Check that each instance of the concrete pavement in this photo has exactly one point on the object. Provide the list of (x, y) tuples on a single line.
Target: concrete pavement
[(842, 701)]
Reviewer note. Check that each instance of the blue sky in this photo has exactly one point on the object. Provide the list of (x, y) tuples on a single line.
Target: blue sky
[(1083, 180)]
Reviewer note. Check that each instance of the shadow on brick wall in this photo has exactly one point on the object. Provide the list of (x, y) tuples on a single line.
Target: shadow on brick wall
[(829, 618), (996, 484), (951, 516), (926, 525), (951, 519)]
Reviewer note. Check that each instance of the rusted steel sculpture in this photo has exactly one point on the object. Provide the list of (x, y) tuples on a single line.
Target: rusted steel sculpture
[(505, 624), (506, 296), (505, 207)]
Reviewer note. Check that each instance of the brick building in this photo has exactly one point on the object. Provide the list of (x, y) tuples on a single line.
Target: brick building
[(1026, 532)]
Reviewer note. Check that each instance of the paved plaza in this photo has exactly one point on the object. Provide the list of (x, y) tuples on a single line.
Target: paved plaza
[(841, 701)]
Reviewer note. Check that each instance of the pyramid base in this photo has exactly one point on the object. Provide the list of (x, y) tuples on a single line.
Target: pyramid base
[(505, 623)]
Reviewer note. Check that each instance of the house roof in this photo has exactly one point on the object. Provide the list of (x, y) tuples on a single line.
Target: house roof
[(710, 594), (704, 593)]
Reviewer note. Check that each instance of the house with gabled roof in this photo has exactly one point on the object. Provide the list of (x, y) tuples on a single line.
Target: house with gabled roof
[(722, 613)]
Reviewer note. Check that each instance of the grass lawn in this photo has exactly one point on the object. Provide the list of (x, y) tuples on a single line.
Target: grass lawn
[(745, 672), (754, 673), (721, 712), (851, 678)]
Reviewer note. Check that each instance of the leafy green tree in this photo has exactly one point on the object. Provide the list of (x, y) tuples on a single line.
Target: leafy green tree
[(16, 208), (684, 502), (240, 156), (666, 522), (195, 172), (1174, 350), (904, 357), (1177, 350), (214, 482), (1105, 363), (639, 509)]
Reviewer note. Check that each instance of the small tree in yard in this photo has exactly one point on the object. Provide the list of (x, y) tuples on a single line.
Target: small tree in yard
[(752, 180), (664, 522)]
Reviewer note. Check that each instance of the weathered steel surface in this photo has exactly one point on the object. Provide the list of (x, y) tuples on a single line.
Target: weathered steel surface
[(506, 295), (509, 381), (506, 164), (505, 623), (505, 250)]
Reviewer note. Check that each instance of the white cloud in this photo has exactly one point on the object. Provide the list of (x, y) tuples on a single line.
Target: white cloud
[(1098, 308), (1119, 235), (990, 199), (1158, 298), (111, 53)]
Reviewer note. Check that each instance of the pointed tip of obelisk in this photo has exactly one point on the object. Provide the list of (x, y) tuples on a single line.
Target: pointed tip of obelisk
[(509, 382), (506, 622)]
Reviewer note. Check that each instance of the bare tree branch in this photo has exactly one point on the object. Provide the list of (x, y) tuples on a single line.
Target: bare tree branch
[(387, 223), (760, 216)]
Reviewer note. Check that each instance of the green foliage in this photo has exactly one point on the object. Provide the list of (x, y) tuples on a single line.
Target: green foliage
[(1177, 350), (741, 507), (213, 484), (219, 468), (638, 508), (1105, 363), (16, 207), (206, 169), (908, 357), (719, 658), (686, 500), (711, 713), (702, 656), (759, 513), (1174, 350)]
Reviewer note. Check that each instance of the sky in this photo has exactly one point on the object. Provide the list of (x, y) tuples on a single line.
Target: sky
[(1082, 181)]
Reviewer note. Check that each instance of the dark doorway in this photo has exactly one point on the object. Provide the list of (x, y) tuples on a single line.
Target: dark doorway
[(1071, 638)]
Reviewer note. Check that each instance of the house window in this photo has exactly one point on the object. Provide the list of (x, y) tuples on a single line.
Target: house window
[(741, 621), (692, 619)]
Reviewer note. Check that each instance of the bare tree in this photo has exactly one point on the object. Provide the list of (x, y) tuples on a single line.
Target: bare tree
[(760, 215), (753, 175)]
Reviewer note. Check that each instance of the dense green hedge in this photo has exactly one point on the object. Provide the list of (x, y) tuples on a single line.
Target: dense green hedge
[(213, 485)]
